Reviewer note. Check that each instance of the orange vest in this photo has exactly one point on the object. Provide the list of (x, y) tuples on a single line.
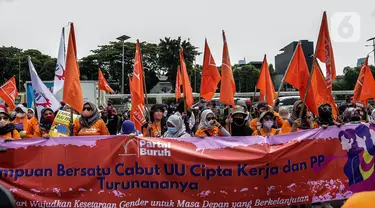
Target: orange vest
[(261, 132), (31, 127), (155, 130), (212, 132)]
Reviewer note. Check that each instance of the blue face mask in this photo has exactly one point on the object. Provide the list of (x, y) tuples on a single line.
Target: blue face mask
[(172, 130)]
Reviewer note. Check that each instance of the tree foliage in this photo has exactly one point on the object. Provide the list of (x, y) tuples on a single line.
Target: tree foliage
[(169, 56), (245, 77)]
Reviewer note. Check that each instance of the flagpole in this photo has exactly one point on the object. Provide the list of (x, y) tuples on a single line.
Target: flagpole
[(144, 83), (307, 88), (286, 72)]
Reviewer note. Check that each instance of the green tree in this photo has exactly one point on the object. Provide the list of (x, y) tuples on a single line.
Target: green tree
[(13, 62), (109, 59), (169, 56), (245, 77)]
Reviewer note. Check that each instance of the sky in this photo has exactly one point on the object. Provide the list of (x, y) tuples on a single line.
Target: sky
[(253, 28)]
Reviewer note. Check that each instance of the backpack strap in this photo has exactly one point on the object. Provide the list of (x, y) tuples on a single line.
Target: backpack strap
[(290, 122), (258, 132), (11, 133), (207, 133), (277, 132)]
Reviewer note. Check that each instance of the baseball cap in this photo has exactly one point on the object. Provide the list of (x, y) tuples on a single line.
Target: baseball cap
[(238, 110), (4, 110), (264, 114)]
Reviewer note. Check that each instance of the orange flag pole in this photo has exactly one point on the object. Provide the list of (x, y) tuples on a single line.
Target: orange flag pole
[(307, 88), (286, 72)]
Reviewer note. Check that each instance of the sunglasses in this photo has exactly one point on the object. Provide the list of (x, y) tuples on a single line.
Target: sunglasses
[(87, 108), (210, 118), (4, 118)]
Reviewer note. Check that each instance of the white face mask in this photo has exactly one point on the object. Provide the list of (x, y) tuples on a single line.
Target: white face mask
[(3, 123), (20, 115), (268, 124)]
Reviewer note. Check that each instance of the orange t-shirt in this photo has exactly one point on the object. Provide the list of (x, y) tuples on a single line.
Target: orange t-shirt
[(155, 130), (31, 127), (263, 133), (98, 128), (16, 135), (279, 120), (212, 132)]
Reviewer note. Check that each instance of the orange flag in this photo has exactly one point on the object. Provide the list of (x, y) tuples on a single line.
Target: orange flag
[(186, 87), (324, 52), (178, 84), (137, 111), (298, 76), (368, 85), (265, 84), (103, 84), (137, 90), (360, 79), (9, 92), (72, 87), (322, 94), (227, 87), (210, 75)]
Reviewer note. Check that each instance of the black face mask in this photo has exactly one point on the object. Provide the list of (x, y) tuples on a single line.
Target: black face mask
[(355, 118), (239, 121)]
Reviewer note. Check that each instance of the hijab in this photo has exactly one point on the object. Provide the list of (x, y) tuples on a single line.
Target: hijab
[(325, 115), (88, 122), (45, 125), (204, 124), (177, 122), (295, 115), (348, 114)]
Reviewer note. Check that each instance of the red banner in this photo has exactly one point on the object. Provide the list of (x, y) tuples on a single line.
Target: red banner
[(116, 171)]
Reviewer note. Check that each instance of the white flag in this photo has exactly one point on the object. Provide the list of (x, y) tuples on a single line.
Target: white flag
[(43, 97), (60, 66)]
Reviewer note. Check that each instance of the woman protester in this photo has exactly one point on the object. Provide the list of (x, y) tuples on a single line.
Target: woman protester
[(157, 126), (90, 123), (32, 123), (209, 126), (267, 121), (8, 130), (128, 129), (351, 115), (262, 107), (175, 127), (112, 121), (21, 120), (325, 117), (45, 123), (294, 123), (239, 123)]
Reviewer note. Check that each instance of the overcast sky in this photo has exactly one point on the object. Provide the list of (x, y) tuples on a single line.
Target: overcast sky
[(253, 28)]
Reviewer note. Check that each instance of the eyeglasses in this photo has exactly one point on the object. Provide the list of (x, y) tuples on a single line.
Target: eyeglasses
[(87, 108), (4, 118)]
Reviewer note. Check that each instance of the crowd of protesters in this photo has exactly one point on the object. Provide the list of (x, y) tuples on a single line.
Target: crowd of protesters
[(175, 120)]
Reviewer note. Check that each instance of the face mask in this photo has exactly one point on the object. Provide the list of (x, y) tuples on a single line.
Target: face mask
[(172, 130), (51, 118), (285, 117), (20, 115), (268, 124), (239, 121), (3, 123)]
